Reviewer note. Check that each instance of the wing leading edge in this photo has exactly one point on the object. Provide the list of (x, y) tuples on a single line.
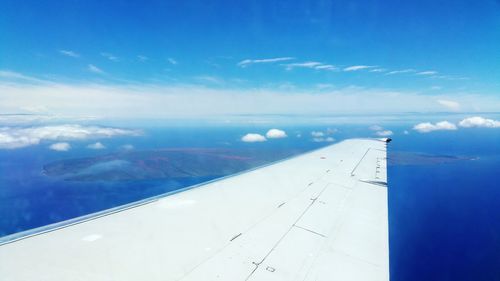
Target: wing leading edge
[(318, 216)]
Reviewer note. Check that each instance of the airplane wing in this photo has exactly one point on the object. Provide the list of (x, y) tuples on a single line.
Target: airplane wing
[(318, 216)]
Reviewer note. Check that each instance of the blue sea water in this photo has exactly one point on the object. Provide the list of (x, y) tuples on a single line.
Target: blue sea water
[(444, 215), (445, 218)]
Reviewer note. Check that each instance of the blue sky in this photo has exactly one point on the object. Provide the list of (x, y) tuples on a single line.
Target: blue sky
[(424, 55)]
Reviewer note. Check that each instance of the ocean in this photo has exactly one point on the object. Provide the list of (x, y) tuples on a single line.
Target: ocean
[(444, 193)]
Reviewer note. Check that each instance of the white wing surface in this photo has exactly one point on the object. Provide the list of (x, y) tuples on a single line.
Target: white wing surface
[(318, 216)]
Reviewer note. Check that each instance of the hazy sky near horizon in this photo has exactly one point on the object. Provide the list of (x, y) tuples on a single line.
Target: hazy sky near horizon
[(185, 58)]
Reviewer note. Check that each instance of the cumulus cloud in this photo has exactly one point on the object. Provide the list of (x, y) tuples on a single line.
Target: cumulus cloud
[(253, 138), (439, 126), (479, 122), (317, 134), (357, 67), (17, 137), (452, 105), (248, 62), (94, 69), (60, 146), (69, 53), (96, 145), (276, 134)]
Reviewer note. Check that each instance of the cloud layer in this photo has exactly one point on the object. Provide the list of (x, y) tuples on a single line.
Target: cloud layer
[(452, 105), (13, 137), (150, 101)]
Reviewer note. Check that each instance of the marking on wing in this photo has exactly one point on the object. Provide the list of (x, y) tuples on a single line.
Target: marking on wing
[(257, 264), (236, 236), (312, 231), (359, 162), (318, 179)]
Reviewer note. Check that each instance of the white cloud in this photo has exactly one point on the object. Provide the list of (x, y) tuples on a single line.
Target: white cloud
[(380, 131), (94, 69), (429, 127), (69, 53), (409, 70), (405, 132), (384, 133), (253, 138), (479, 122), (324, 86), (142, 58), (326, 67), (110, 57), (210, 79), (317, 134), (172, 61), (357, 67), (60, 146), (96, 145), (12, 75), (151, 100), (428, 72), (376, 128), (378, 70), (321, 139), (320, 136), (127, 147), (276, 134), (453, 105), (247, 62), (17, 137), (331, 131), (450, 77), (310, 64)]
